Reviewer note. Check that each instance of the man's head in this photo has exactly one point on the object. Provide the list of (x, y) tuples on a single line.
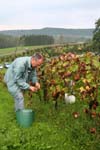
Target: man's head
[(36, 60)]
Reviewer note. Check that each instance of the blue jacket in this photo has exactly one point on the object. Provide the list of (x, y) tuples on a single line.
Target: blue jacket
[(20, 73)]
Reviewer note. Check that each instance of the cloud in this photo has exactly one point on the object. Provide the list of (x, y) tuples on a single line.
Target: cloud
[(53, 13)]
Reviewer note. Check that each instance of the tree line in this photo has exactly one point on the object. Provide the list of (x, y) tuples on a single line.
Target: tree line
[(37, 40), (11, 41), (7, 41)]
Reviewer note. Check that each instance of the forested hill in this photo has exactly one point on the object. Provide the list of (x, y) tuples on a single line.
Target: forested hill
[(85, 33)]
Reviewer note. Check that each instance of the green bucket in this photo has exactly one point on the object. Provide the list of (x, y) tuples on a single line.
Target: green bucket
[(25, 117)]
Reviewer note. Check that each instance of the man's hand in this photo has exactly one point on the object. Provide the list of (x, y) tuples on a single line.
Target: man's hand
[(37, 85), (33, 88)]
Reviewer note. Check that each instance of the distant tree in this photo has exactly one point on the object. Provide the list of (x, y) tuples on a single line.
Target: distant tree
[(96, 36)]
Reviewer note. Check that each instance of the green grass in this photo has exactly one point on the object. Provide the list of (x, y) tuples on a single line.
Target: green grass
[(5, 51), (51, 130)]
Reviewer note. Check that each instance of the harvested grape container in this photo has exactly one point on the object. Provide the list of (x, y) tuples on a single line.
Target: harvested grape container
[(25, 117)]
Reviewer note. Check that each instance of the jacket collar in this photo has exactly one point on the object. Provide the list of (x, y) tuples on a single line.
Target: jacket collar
[(29, 63)]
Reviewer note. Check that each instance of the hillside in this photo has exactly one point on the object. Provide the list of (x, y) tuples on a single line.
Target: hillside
[(50, 31), (69, 35)]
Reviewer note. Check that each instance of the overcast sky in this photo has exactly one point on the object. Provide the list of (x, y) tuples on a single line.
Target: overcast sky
[(36, 14)]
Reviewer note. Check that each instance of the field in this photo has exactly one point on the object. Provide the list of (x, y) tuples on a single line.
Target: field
[(17, 50), (52, 129), (65, 127)]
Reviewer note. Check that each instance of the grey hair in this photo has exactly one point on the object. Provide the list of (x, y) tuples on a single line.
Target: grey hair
[(37, 56)]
